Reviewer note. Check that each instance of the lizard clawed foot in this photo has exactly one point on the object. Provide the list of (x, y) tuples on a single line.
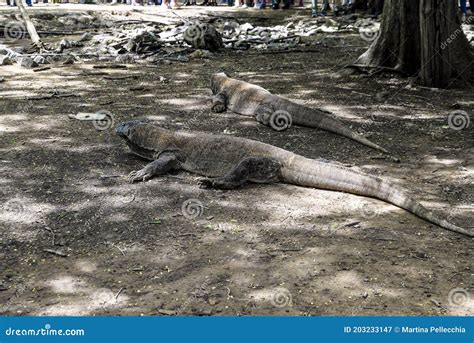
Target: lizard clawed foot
[(205, 183), (218, 108), (139, 175)]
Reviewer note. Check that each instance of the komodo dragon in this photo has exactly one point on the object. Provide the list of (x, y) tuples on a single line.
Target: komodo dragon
[(230, 162), (272, 110)]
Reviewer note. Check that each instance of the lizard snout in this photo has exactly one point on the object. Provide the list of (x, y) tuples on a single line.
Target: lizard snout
[(122, 129)]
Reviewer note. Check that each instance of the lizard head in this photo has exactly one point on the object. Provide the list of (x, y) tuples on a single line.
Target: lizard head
[(143, 139), (217, 80)]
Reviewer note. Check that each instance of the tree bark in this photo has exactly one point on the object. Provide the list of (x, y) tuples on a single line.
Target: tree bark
[(35, 38), (360, 5), (435, 68), (421, 37)]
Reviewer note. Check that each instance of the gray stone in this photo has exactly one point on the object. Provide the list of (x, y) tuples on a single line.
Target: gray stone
[(40, 59), (27, 62), (5, 60)]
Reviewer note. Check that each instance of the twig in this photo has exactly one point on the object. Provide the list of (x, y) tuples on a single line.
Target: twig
[(110, 66), (118, 293), (55, 252), (103, 177), (286, 249), (41, 69), (52, 234), (123, 77), (117, 248)]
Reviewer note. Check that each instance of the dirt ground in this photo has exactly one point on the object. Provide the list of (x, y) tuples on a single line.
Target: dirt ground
[(259, 250)]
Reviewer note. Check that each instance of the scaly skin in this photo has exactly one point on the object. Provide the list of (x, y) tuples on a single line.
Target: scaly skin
[(248, 99), (232, 161)]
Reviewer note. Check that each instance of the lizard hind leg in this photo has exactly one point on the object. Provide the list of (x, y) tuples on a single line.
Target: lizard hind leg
[(219, 102), (165, 163), (250, 169)]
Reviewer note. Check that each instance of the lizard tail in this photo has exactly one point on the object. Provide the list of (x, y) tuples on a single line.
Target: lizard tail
[(333, 177), (335, 126)]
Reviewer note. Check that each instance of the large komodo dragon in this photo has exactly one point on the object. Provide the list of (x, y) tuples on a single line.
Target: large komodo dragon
[(232, 161), (272, 110)]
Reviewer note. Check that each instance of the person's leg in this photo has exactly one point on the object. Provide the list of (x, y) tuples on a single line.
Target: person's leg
[(314, 8), (471, 4), (463, 10), (275, 4), (463, 6), (326, 8)]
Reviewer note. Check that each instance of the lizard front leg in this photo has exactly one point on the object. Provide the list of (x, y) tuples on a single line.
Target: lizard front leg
[(165, 163), (263, 114), (254, 169), (219, 102)]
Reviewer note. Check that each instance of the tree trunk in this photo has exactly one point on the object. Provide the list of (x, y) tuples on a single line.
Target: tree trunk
[(29, 25), (421, 37), (360, 5), (434, 27)]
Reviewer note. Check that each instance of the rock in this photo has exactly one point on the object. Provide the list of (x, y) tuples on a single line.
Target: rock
[(246, 27), (196, 54), (203, 36), (5, 60), (166, 312), (27, 62), (65, 44), (125, 58), (68, 60), (85, 37), (40, 59)]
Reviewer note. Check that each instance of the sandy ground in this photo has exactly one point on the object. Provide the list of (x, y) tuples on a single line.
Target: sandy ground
[(259, 250)]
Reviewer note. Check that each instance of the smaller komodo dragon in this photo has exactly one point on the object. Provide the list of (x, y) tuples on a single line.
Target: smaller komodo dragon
[(272, 110), (230, 162)]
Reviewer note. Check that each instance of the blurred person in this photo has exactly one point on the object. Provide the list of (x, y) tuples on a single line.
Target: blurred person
[(276, 4), (314, 8), (464, 9), (260, 4), (208, 3), (169, 4)]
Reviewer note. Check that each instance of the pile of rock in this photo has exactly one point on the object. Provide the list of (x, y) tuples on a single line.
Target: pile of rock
[(130, 41)]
